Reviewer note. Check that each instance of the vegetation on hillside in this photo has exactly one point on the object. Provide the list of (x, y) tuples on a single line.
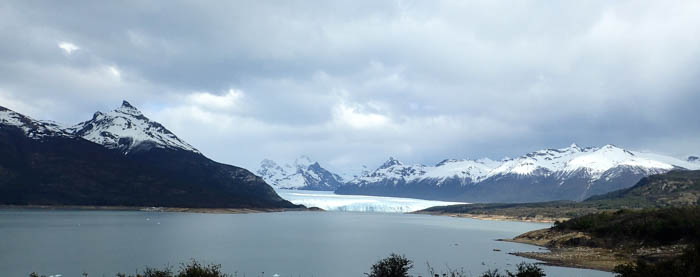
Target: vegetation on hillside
[(651, 227), (672, 189), (687, 264)]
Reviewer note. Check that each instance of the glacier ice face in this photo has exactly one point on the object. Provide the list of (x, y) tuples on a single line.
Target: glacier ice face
[(358, 203)]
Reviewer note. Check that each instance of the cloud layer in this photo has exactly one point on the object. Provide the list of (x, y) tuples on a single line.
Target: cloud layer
[(352, 83)]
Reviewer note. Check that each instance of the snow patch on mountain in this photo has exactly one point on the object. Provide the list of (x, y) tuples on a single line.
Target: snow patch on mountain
[(593, 160), (474, 170), (35, 129), (127, 129), (393, 171)]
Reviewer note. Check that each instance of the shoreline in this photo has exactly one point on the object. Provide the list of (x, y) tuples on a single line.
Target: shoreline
[(157, 209), (573, 257), (536, 219)]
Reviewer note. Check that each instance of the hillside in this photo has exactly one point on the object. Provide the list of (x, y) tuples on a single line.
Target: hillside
[(675, 188), (607, 240)]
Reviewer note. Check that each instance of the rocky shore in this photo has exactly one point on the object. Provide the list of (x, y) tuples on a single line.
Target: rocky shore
[(537, 219)]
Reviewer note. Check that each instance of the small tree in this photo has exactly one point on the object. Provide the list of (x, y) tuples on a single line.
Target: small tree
[(392, 266)]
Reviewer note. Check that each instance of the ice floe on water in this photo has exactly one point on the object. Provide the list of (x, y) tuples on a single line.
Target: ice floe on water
[(357, 203)]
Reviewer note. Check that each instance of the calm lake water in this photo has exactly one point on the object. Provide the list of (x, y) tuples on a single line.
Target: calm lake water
[(289, 244)]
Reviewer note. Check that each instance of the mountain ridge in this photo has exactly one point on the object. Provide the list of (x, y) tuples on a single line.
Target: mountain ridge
[(571, 173)]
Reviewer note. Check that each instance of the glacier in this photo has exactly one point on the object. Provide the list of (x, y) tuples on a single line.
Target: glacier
[(330, 201)]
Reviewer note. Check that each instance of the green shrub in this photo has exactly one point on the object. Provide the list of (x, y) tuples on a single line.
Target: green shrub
[(392, 266)]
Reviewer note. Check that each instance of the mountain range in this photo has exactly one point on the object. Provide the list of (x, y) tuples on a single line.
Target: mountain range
[(571, 173), (302, 174), (117, 158), (121, 157)]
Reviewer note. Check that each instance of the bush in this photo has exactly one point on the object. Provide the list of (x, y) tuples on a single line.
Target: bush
[(393, 266)]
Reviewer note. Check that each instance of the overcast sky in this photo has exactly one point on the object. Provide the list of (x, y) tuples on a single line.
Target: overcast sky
[(353, 82)]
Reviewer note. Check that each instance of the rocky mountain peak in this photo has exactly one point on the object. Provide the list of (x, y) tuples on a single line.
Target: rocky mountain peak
[(303, 162), (267, 163), (127, 129), (390, 162), (127, 108), (575, 146)]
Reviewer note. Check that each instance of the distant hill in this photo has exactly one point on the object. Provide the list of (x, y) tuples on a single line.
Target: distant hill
[(119, 158), (677, 188)]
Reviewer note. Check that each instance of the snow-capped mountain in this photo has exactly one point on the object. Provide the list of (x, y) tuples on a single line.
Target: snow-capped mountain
[(35, 129), (571, 173), (128, 130), (42, 163), (302, 174), (591, 161), (693, 159), (467, 171)]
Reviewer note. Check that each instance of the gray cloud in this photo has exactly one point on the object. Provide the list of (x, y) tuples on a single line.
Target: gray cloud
[(352, 83)]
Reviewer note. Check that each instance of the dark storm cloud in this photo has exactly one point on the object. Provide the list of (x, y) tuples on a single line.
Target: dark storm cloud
[(351, 83)]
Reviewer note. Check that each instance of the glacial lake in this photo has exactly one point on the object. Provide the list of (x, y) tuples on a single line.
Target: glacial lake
[(102, 243)]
